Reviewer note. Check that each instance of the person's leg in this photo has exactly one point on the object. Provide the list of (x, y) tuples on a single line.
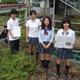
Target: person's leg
[(31, 45), (68, 56), (58, 65), (37, 55), (30, 49), (37, 51), (67, 66), (37, 47), (42, 57), (12, 46), (17, 43), (48, 58), (59, 60)]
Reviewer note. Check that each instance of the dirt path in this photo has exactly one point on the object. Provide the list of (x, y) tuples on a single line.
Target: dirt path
[(51, 74)]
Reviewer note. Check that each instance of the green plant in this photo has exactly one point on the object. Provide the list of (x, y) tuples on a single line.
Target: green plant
[(15, 66), (8, 1)]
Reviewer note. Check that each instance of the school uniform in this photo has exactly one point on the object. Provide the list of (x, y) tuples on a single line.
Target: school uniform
[(14, 39), (45, 37), (33, 27), (64, 43)]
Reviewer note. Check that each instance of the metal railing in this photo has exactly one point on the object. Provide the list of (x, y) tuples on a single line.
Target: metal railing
[(70, 5)]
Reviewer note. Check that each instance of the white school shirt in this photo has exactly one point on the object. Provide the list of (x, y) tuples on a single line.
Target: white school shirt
[(10, 26), (65, 40), (33, 27), (46, 38)]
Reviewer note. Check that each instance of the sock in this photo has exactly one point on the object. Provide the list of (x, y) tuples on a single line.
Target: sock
[(43, 63), (58, 68), (47, 64)]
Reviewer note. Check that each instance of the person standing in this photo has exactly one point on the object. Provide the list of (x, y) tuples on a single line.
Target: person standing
[(13, 31), (46, 36), (32, 28), (64, 42)]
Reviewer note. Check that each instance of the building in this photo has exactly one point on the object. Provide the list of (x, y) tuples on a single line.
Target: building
[(60, 7)]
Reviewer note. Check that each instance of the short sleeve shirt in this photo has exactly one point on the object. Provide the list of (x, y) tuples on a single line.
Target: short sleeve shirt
[(10, 25), (33, 27)]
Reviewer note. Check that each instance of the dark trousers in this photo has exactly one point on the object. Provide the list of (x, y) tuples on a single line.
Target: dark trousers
[(14, 45)]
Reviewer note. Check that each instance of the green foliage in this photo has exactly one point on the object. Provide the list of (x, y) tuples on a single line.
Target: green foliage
[(8, 1), (36, 5), (16, 66)]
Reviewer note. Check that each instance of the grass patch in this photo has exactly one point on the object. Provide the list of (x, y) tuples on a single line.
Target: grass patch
[(16, 66)]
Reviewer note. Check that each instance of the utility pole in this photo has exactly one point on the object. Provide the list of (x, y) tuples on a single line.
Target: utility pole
[(26, 10), (29, 8), (46, 7), (42, 7), (74, 6), (65, 12), (30, 4), (54, 12)]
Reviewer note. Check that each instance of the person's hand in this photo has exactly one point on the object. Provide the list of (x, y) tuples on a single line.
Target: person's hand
[(44, 45), (11, 34), (48, 46)]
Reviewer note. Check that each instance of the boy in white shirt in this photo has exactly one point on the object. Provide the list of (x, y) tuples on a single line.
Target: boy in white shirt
[(13, 31)]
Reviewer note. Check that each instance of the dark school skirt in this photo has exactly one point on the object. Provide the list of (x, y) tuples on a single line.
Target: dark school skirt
[(43, 50), (33, 41), (64, 53)]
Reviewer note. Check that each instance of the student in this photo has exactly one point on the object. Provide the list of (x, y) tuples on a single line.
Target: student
[(64, 42), (32, 26), (46, 36), (13, 31)]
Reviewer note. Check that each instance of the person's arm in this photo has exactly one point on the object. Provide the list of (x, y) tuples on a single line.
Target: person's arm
[(56, 36), (39, 23), (40, 39), (52, 38), (73, 40), (9, 28), (39, 36)]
